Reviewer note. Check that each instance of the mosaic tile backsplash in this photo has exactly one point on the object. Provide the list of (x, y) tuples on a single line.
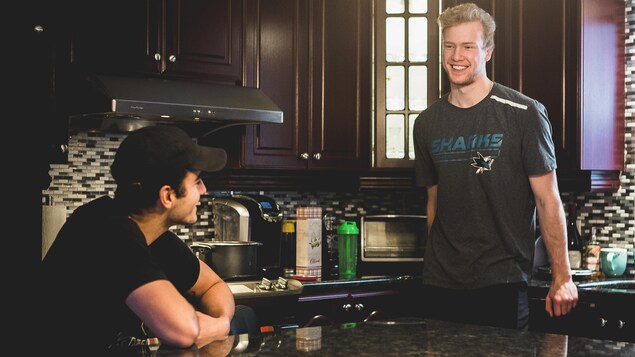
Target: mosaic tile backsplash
[(87, 176)]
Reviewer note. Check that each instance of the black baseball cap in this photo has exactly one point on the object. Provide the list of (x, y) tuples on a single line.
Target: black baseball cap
[(160, 151)]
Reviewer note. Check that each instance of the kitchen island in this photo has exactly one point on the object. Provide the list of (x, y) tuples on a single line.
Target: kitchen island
[(406, 337), (604, 309), (603, 312)]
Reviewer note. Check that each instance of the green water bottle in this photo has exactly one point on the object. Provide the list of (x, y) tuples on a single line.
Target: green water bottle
[(347, 237)]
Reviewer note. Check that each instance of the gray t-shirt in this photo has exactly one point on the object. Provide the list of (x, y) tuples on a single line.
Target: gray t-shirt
[(480, 158)]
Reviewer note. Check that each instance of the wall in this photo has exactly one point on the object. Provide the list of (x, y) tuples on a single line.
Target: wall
[(87, 176)]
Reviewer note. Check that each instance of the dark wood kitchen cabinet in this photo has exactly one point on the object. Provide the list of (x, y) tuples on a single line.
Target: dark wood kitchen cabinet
[(597, 315), (175, 38), (314, 61), (569, 55)]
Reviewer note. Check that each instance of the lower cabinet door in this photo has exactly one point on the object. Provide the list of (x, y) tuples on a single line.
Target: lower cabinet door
[(600, 319), (338, 308)]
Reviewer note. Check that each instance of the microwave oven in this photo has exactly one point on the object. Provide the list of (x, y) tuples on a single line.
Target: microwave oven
[(393, 238)]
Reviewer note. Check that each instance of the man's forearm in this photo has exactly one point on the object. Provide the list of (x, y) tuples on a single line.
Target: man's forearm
[(553, 229), (218, 301), (431, 205), (216, 312)]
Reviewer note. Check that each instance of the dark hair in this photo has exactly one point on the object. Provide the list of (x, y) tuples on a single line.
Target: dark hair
[(154, 156), (135, 197)]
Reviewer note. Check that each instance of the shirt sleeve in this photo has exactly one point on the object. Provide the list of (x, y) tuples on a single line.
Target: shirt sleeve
[(177, 261), (538, 148)]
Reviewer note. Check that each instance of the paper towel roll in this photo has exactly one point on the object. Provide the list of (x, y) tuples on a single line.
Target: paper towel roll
[(53, 217)]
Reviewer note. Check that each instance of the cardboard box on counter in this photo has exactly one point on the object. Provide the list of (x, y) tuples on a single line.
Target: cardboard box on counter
[(309, 242)]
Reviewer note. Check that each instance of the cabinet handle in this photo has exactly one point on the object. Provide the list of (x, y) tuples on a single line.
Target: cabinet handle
[(157, 57), (319, 320), (317, 156), (304, 156), (375, 314), (172, 58), (620, 324), (603, 322), (347, 307)]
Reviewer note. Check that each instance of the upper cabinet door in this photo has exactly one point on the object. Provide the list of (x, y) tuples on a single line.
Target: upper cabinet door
[(176, 38), (572, 56), (281, 41), (204, 39), (112, 36), (341, 57), (314, 61)]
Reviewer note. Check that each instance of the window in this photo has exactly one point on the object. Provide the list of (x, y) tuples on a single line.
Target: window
[(406, 75)]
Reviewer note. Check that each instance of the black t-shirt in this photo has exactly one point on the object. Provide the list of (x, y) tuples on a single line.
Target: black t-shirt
[(98, 258)]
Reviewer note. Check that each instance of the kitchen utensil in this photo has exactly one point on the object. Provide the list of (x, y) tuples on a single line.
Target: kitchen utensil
[(231, 260), (254, 218)]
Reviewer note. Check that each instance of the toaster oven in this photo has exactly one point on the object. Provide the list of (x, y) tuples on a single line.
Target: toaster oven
[(393, 238)]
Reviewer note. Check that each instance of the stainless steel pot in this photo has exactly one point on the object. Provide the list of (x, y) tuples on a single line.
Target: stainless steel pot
[(229, 259)]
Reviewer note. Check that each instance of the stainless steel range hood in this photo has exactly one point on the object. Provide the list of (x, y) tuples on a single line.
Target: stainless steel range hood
[(121, 104)]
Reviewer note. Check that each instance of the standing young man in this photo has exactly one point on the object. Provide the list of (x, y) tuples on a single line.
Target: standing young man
[(485, 154), (115, 275)]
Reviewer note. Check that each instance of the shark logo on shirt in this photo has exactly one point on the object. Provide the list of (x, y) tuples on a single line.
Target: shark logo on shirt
[(454, 149), (482, 163)]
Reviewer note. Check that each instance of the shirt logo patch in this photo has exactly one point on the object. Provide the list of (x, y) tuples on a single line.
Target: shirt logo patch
[(482, 163)]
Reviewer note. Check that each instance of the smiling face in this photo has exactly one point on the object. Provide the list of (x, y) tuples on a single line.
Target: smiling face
[(184, 210), (464, 55)]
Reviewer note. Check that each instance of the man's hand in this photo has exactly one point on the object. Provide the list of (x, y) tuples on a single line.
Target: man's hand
[(561, 298), (212, 328), (218, 348)]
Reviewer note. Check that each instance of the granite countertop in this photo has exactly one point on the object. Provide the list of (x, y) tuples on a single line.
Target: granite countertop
[(595, 285), (387, 281), (404, 336), (538, 285), (379, 281), (407, 336)]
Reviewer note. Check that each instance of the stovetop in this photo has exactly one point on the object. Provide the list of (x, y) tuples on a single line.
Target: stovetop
[(265, 288)]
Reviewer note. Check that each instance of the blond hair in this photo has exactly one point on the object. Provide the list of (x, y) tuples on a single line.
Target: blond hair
[(469, 12)]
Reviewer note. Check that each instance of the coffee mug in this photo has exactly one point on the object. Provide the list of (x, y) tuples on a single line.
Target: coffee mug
[(613, 261)]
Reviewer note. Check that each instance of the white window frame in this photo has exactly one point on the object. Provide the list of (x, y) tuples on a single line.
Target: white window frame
[(379, 81)]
